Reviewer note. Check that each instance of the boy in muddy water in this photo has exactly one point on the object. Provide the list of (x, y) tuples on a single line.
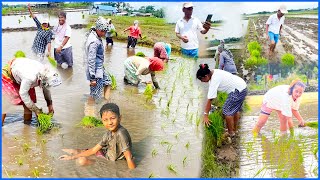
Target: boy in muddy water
[(274, 26), (114, 145)]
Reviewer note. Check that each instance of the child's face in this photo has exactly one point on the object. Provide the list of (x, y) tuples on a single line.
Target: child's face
[(110, 120)]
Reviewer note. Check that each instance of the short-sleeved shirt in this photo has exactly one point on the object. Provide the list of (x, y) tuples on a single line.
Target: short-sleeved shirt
[(278, 98), (274, 23), (134, 31), (190, 29), (43, 37), (225, 82), (60, 32), (115, 145)]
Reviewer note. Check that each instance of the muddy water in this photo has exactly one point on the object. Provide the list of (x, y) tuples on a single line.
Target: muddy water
[(166, 126), (270, 156), (26, 21)]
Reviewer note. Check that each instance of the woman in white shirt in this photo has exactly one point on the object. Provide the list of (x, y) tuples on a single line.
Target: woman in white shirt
[(19, 78), (285, 100), (224, 81)]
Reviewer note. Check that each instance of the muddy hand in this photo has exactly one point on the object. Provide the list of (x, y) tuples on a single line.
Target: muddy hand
[(206, 121)]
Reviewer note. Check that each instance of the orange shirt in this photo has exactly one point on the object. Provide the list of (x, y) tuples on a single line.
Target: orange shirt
[(134, 32)]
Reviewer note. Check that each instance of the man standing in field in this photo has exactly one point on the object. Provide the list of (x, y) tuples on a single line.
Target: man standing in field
[(274, 26), (186, 30)]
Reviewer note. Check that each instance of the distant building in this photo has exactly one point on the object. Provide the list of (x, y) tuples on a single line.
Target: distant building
[(103, 10), (141, 14)]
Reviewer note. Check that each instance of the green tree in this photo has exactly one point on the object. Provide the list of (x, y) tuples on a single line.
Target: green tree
[(150, 9)]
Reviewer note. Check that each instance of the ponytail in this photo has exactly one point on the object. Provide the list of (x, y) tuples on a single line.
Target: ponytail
[(203, 71)]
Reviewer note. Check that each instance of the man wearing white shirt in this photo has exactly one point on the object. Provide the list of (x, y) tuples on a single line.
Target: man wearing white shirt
[(63, 47), (274, 26), (186, 30)]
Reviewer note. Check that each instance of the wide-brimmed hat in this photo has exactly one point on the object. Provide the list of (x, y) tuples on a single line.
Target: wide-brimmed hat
[(283, 9), (49, 77)]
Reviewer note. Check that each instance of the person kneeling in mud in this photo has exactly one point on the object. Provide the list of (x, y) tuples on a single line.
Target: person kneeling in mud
[(115, 144), (220, 80), (19, 79), (136, 66), (285, 100)]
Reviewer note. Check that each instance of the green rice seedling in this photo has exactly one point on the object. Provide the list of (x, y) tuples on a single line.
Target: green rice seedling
[(154, 153), (44, 123), (36, 173), (191, 118), (90, 122), (259, 171), (113, 82), (315, 151), (221, 98), (254, 45), (163, 126), (20, 162), (206, 37), (82, 16), (177, 135), (141, 54), (198, 120), (19, 21), (52, 61), (148, 92), (164, 142), (9, 175), (172, 168), (187, 145), (24, 17), (19, 54), (312, 124), (174, 120), (169, 147), (151, 175), (216, 128), (184, 161), (249, 147), (25, 147), (287, 60), (160, 100), (315, 171)]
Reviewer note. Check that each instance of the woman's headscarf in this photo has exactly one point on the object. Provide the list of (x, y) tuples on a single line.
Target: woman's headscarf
[(156, 64)]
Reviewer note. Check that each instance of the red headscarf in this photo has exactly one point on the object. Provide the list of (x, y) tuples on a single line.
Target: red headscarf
[(156, 64)]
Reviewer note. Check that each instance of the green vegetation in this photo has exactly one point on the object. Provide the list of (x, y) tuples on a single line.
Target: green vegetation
[(216, 128), (172, 168), (255, 58), (44, 123), (25, 147), (312, 124), (75, 5), (36, 173), (184, 161), (141, 54), (90, 122), (154, 152), (287, 60), (7, 10), (254, 45), (156, 28), (113, 82), (148, 92), (52, 61), (19, 54)]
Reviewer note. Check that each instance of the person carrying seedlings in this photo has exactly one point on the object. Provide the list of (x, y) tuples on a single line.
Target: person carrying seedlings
[(162, 50), (110, 32), (100, 81), (135, 32), (285, 100), (62, 45), (226, 62), (223, 81), (43, 37), (19, 79), (187, 29), (115, 144), (136, 66), (274, 26)]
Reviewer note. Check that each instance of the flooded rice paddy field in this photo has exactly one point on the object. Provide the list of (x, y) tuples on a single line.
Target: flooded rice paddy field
[(268, 155), (166, 131)]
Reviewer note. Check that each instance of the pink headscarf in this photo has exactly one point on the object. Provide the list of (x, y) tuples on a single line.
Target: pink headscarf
[(156, 64)]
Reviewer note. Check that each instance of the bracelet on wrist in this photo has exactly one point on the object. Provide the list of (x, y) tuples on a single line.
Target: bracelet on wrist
[(205, 113)]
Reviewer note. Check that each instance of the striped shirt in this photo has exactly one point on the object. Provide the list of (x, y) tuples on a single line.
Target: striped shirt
[(43, 37)]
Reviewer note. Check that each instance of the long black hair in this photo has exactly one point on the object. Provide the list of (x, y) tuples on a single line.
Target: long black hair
[(203, 71)]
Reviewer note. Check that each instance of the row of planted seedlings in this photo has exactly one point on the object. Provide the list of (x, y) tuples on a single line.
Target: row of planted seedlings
[(177, 99)]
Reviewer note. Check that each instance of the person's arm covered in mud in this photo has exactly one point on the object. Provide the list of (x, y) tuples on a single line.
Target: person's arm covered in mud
[(154, 80), (48, 99), (86, 153), (297, 115), (130, 162)]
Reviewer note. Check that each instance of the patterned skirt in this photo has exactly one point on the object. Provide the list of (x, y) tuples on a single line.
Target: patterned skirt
[(97, 91), (11, 89), (130, 72), (234, 102)]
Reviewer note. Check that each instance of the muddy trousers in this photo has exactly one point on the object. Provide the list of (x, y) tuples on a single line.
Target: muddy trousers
[(131, 42)]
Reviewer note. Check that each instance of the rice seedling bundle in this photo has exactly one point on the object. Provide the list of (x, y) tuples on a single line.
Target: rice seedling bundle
[(90, 122), (44, 123)]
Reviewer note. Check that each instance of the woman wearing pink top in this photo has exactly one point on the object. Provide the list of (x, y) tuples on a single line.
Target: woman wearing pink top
[(134, 33)]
